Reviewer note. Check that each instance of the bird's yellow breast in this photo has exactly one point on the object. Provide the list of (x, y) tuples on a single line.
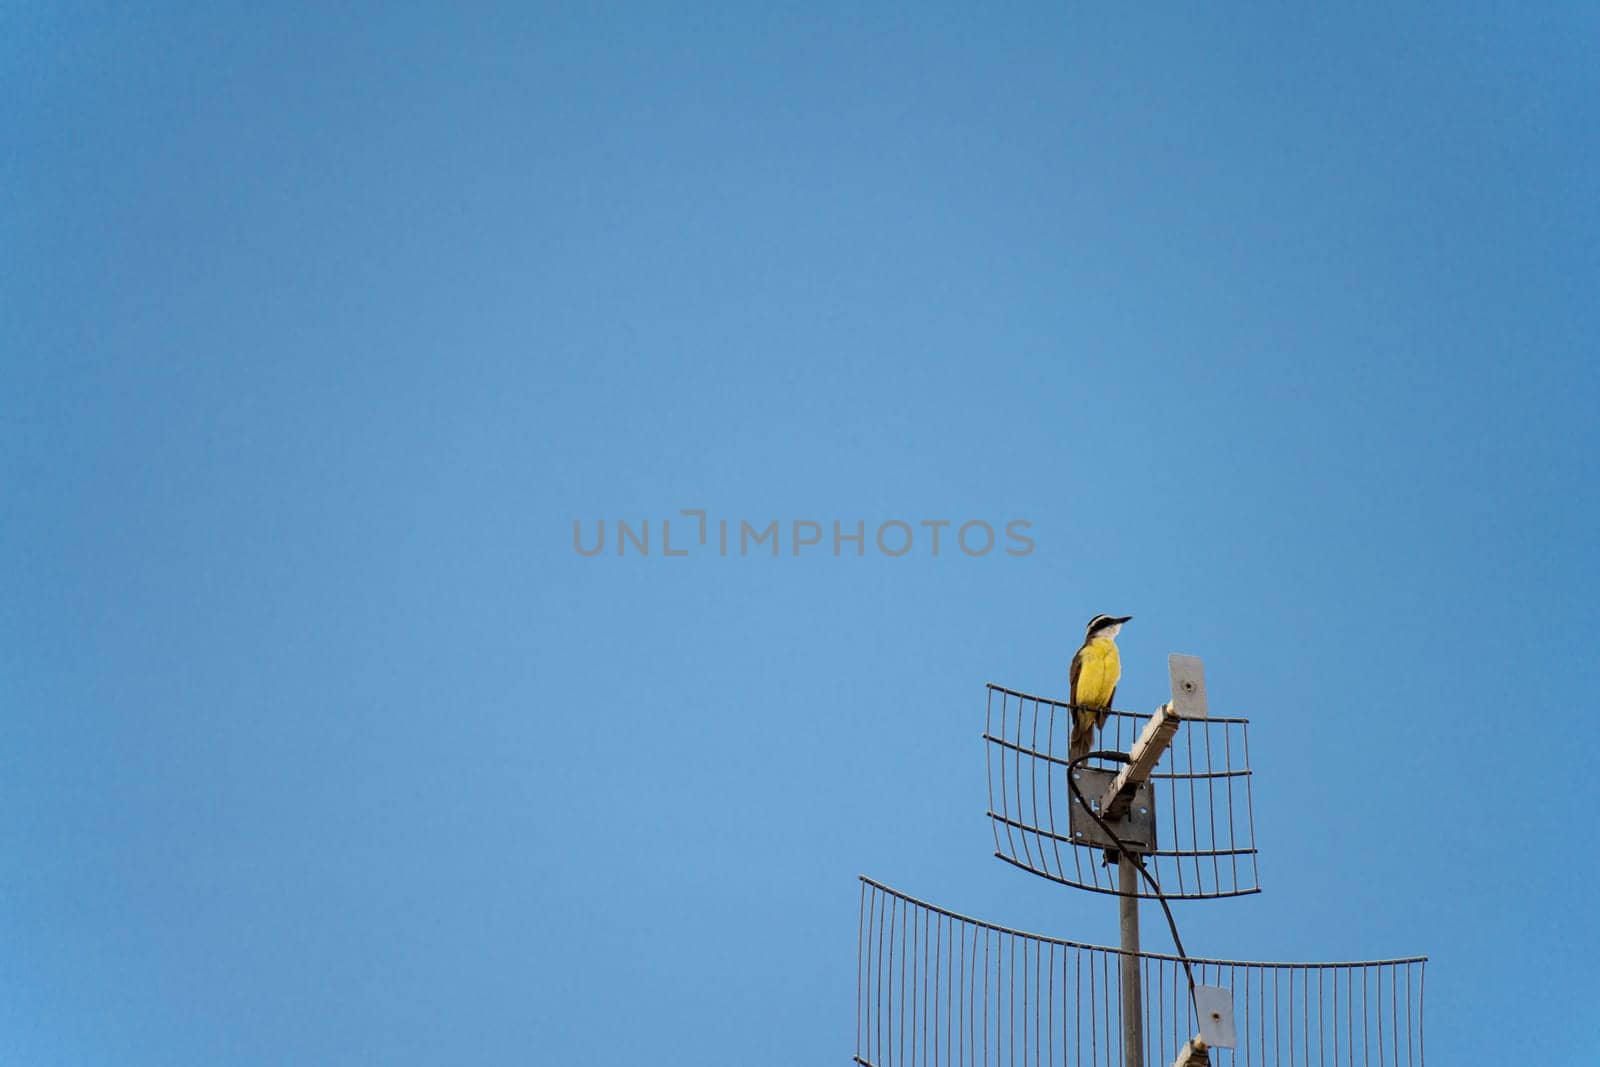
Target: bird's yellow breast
[(1100, 669)]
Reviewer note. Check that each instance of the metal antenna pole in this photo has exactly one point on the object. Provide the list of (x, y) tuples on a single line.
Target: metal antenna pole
[(1132, 1013), (1188, 701)]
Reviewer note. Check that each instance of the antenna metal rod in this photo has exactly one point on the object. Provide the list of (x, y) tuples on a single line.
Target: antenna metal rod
[(1143, 757), (1132, 1013)]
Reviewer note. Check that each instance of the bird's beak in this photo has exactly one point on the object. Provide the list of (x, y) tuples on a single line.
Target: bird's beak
[(1125, 618)]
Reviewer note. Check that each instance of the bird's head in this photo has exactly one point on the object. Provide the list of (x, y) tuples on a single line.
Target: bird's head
[(1107, 626)]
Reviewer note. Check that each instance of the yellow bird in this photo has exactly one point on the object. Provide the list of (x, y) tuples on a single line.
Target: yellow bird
[(1096, 669)]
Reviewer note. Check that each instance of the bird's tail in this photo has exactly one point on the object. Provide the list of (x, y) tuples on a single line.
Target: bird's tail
[(1082, 734)]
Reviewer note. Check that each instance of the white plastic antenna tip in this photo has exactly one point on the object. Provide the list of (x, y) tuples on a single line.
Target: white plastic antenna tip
[(1188, 685), (1215, 1005)]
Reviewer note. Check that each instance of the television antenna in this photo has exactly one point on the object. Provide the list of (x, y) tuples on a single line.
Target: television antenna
[(1166, 801)]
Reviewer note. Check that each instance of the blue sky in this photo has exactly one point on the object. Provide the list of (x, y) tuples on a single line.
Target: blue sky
[(320, 330)]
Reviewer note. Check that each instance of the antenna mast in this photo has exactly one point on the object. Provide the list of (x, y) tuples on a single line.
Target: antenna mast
[(1167, 801)]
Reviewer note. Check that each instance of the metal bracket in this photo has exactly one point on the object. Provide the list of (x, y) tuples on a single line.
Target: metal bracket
[(1193, 1054), (1146, 752), (1136, 826)]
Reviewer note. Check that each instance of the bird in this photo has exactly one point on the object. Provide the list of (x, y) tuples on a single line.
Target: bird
[(1096, 668)]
